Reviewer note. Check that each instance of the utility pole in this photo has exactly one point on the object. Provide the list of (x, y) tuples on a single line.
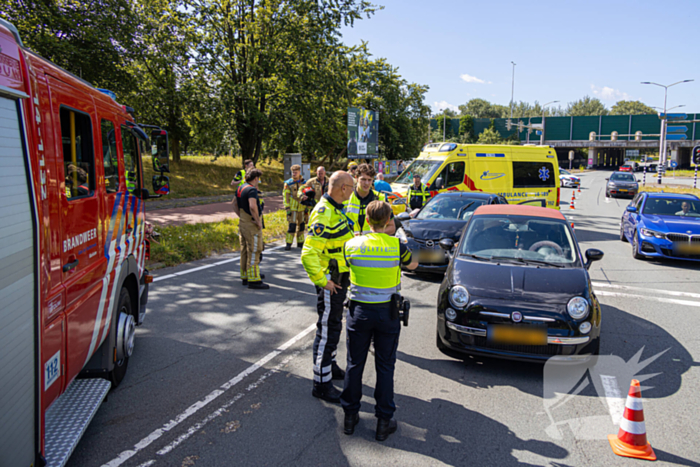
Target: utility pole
[(664, 123), (512, 91)]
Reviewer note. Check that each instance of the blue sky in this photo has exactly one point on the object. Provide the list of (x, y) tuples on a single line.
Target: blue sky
[(563, 49)]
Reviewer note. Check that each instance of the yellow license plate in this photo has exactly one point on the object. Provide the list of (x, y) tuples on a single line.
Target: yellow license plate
[(516, 335), (687, 249), (622, 191), (431, 256)]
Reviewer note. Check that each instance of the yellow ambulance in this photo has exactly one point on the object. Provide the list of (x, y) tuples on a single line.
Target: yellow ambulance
[(522, 174)]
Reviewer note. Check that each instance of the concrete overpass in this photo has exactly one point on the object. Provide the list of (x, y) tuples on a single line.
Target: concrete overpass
[(567, 133)]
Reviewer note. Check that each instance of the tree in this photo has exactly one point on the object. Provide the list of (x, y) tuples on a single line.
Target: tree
[(480, 108), (92, 40), (444, 127), (586, 106), (264, 55), (490, 136), (631, 108), (466, 128)]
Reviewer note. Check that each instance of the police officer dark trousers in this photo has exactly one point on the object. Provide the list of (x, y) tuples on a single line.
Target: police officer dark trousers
[(322, 258), (375, 275)]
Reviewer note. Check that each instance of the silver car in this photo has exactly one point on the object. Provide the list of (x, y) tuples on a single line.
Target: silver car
[(621, 184)]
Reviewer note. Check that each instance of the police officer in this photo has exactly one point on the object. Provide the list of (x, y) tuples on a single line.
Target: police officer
[(297, 215), (361, 197), (250, 228), (417, 193), (375, 275), (240, 175), (323, 260)]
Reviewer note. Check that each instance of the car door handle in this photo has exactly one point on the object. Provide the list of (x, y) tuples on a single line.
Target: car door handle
[(69, 266)]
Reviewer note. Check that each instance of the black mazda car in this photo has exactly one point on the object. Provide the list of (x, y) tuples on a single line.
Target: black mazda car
[(443, 217), (518, 288)]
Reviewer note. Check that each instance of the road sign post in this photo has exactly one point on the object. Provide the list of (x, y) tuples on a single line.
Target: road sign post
[(696, 162)]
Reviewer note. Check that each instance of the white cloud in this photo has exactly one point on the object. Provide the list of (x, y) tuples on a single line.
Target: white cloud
[(473, 79), (442, 105), (609, 94)]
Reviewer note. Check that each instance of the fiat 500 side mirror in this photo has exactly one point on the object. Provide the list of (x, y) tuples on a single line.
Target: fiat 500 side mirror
[(447, 244), (593, 254)]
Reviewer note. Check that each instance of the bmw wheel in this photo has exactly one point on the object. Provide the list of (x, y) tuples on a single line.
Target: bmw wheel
[(622, 234), (635, 247)]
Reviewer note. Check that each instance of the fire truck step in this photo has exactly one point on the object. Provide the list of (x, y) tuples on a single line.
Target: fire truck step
[(69, 416)]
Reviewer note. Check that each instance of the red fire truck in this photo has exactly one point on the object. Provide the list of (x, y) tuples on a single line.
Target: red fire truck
[(73, 285)]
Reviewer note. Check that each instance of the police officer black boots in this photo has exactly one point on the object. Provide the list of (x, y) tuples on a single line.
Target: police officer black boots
[(385, 428), (327, 392), (351, 419)]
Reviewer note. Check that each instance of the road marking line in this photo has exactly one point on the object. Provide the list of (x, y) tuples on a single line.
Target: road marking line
[(147, 464), (194, 408), (200, 268), (645, 297), (217, 413), (641, 289), (614, 398)]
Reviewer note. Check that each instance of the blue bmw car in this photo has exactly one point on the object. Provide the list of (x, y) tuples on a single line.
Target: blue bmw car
[(663, 225)]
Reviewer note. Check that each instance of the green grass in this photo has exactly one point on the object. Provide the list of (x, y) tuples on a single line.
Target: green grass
[(190, 242), (197, 176), (654, 189), (679, 173)]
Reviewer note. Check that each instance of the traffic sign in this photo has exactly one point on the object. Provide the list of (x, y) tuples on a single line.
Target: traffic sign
[(676, 129), (696, 155), (676, 137), (674, 164), (673, 116)]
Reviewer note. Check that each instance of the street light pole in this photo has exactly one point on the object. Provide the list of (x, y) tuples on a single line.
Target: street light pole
[(444, 124), (542, 135), (512, 91), (664, 124)]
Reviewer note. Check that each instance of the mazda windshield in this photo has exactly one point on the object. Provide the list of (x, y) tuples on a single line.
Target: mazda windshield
[(424, 168), (519, 239), (450, 207)]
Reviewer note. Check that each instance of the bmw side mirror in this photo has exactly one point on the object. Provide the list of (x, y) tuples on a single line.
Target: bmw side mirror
[(608, 178), (631, 209), (593, 254), (446, 244), (404, 216)]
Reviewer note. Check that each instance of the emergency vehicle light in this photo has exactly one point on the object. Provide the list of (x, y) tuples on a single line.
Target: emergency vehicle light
[(109, 93)]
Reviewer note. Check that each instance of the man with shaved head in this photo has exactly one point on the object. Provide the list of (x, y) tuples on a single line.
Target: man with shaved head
[(324, 262)]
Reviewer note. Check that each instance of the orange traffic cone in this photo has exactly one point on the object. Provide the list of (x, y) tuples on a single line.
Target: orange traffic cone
[(579, 188), (572, 205), (631, 440)]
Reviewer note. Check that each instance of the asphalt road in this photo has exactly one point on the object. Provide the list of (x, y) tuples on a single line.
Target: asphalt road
[(222, 375)]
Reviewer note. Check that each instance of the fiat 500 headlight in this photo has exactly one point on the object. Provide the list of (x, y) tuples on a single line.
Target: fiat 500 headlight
[(577, 307), (459, 297)]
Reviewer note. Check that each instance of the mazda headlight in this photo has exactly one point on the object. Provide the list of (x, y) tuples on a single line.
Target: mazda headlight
[(577, 307), (401, 235), (459, 297), (652, 233)]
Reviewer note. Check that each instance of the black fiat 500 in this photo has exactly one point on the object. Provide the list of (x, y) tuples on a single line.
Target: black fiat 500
[(518, 288)]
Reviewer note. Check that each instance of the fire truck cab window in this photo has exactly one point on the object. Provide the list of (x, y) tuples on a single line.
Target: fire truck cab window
[(131, 162), (78, 154), (109, 154)]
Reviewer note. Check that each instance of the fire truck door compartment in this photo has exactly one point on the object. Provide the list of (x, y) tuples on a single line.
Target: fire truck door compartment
[(18, 313)]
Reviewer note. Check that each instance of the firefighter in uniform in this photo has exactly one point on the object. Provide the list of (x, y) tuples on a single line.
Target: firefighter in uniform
[(352, 170), (250, 228), (375, 263), (322, 258), (319, 183), (361, 197), (417, 194), (297, 213), (240, 175)]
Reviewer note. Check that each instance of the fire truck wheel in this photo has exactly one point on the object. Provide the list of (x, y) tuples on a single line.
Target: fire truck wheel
[(124, 340)]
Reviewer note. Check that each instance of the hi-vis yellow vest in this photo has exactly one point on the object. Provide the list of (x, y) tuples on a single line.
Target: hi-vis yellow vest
[(354, 210), (375, 267)]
